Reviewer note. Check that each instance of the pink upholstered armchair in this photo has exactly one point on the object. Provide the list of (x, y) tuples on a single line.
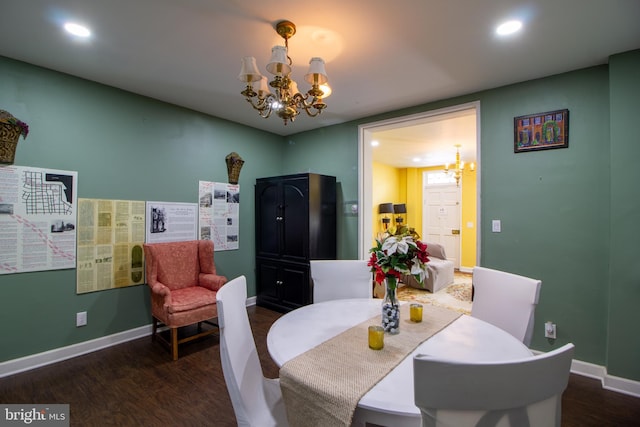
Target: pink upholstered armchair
[(183, 281)]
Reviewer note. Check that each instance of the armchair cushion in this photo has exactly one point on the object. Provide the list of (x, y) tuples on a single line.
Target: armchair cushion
[(187, 299)]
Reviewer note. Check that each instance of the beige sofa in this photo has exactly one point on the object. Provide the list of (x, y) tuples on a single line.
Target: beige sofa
[(439, 269)]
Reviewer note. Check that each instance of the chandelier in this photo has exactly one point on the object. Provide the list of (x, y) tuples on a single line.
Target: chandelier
[(458, 167), (285, 100)]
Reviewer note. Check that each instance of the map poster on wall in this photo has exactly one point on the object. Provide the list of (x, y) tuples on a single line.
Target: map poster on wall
[(219, 214), (37, 219), (110, 238), (171, 222)]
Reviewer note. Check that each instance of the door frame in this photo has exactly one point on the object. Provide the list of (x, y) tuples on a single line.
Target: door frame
[(365, 177)]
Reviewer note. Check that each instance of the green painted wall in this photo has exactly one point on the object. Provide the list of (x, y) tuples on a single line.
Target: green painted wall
[(553, 204), (331, 151), (567, 214), (623, 345), (124, 147)]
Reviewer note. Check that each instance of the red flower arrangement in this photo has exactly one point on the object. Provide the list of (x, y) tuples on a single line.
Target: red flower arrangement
[(395, 255)]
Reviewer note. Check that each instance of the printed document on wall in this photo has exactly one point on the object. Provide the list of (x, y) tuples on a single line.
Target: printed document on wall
[(110, 238), (171, 222), (219, 217), (37, 219)]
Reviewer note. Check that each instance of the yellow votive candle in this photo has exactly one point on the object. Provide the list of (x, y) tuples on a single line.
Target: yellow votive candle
[(415, 312), (376, 337)]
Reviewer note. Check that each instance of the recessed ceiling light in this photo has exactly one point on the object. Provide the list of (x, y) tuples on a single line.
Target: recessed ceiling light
[(77, 29), (416, 159), (508, 27), (374, 143)]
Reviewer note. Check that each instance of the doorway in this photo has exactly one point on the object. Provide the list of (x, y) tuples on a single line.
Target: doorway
[(367, 133), (441, 218)]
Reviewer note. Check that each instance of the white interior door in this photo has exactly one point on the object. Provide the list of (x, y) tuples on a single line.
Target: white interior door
[(441, 218)]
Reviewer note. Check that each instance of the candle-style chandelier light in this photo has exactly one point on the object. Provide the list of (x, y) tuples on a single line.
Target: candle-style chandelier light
[(458, 167), (285, 100)]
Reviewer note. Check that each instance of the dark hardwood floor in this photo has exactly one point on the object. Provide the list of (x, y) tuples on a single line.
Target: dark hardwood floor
[(137, 384)]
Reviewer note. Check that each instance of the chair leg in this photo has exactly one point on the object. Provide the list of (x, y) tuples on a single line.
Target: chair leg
[(154, 329), (174, 343)]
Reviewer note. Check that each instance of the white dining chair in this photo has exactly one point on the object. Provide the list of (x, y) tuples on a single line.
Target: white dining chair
[(518, 393), (506, 300), (257, 401), (341, 279)]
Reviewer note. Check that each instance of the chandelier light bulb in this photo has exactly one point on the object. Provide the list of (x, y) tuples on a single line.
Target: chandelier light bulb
[(249, 70)]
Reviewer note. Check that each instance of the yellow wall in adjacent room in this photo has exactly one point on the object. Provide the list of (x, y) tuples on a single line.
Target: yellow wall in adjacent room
[(469, 220), (395, 185), (388, 183)]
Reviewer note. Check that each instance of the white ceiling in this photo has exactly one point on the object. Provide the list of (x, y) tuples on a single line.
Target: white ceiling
[(428, 141), (380, 55)]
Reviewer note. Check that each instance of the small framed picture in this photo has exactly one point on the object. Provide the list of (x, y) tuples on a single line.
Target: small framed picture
[(541, 131)]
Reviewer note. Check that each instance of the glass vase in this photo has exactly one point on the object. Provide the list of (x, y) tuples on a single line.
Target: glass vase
[(390, 306)]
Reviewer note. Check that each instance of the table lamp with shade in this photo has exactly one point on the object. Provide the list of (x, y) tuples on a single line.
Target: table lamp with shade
[(384, 209), (399, 210)]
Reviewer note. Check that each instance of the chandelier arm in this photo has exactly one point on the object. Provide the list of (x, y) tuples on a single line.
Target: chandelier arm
[(263, 106), (301, 102)]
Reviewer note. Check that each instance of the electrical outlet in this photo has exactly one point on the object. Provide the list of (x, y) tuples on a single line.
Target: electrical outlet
[(550, 330), (81, 318), (496, 226)]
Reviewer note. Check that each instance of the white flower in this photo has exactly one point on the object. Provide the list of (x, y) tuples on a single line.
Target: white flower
[(403, 247), (390, 245), (417, 269)]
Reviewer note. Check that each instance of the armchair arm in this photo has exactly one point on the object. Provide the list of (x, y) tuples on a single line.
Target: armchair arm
[(211, 281), (436, 250), (160, 291)]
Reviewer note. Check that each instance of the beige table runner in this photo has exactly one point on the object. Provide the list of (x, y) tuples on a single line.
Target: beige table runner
[(323, 386)]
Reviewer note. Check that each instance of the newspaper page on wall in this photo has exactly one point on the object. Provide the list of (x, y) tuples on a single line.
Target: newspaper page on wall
[(110, 238), (171, 222), (37, 219), (220, 214)]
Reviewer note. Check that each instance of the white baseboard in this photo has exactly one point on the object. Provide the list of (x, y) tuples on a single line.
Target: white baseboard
[(466, 269), (609, 382), (621, 385), (11, 367)]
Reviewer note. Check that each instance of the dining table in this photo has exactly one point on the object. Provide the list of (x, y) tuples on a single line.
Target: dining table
[(389, 402)]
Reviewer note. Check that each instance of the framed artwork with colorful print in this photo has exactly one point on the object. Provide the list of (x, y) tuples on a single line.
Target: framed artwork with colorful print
[(541, 131)]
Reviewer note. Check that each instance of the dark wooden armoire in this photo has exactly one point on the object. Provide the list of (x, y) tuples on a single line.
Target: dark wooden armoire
[(295, 223)]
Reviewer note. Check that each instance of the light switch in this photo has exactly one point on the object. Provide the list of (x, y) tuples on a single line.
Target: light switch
[(496, 226)]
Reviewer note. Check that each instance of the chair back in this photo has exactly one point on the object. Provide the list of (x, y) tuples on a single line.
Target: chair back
[(174, 264), (526, 392), (506, 300), (341, 279), (240, 362)]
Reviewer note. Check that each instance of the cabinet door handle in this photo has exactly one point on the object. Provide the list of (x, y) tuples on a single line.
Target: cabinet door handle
[(279, 218)]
